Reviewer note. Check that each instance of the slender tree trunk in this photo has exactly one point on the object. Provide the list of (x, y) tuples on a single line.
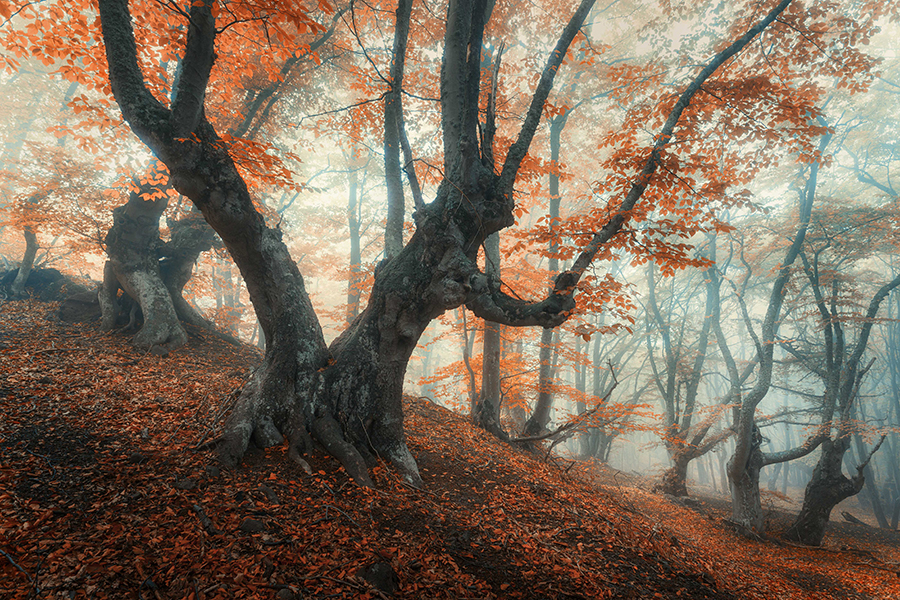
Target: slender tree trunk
[(773, 478), (17, 288), (354, 285), (393, 126), (487, 409), (591, 439), (540, 417), (711, 469), (468, 339), (723, 471), (870, 489)]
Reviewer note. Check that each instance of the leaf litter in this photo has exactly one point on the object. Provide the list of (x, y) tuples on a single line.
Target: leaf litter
[(103, 494)]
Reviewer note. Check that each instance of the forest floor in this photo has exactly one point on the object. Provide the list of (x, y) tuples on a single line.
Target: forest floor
[(104, 495)]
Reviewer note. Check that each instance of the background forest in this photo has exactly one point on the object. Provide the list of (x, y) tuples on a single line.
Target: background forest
[(657, 235)]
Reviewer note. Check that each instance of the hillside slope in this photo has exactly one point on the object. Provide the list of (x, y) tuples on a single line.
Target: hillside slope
[(103, 495)]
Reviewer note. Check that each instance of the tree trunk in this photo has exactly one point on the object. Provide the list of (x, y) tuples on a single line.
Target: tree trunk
[(711, 469), (674, 479), (870, 489), (132, 246), (827, 487), (487, 408), (540, 417), (17, 288), (746, 508), (189, 237), (773, 479), (468, 340), (354, 284), (153, 273), (393, 125)]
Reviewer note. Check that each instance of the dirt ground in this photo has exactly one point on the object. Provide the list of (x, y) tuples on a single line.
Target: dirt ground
[(104, 494)]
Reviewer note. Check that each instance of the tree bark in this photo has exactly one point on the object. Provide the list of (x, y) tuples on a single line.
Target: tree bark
[(540, 417), (354, 284), (393, 126), (870, 489), (17, 287), (468, 339), (746, 508), (132, 247), (674, 480), (189, 237), (487, 408), (827, 487)]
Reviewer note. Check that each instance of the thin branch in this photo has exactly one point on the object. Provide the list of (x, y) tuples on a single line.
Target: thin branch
[(576, 423), (518, 150), (568, 279)]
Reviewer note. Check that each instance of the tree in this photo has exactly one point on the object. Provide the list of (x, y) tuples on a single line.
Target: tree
[(348, 395), (354, 400), (684, 440), (839, 364), (58, 194), (748, 457)]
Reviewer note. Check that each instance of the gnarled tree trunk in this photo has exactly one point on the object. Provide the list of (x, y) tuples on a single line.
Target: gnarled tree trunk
[(153, 273), (132, 245), (189, 238), (827, 487), (348, 395), (674, 479)]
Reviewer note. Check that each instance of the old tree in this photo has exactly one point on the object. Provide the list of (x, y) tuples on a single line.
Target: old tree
[(347, 395)]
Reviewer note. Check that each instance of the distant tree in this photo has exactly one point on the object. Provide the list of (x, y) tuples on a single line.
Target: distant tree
[(837, 358), (748, 457)]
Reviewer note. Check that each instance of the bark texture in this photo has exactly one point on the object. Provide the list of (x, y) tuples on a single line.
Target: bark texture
[(827, 487), (132, 248), (487, 408), (674, 479), (189, 238), (17, 288)]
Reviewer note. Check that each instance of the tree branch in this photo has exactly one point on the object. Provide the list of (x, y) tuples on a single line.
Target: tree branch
[(146, 115), (615, 224), (492, 304), (197, 62), (517, 151)]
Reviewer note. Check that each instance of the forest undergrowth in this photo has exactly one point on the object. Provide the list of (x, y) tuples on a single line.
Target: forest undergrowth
[(105, 494)]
